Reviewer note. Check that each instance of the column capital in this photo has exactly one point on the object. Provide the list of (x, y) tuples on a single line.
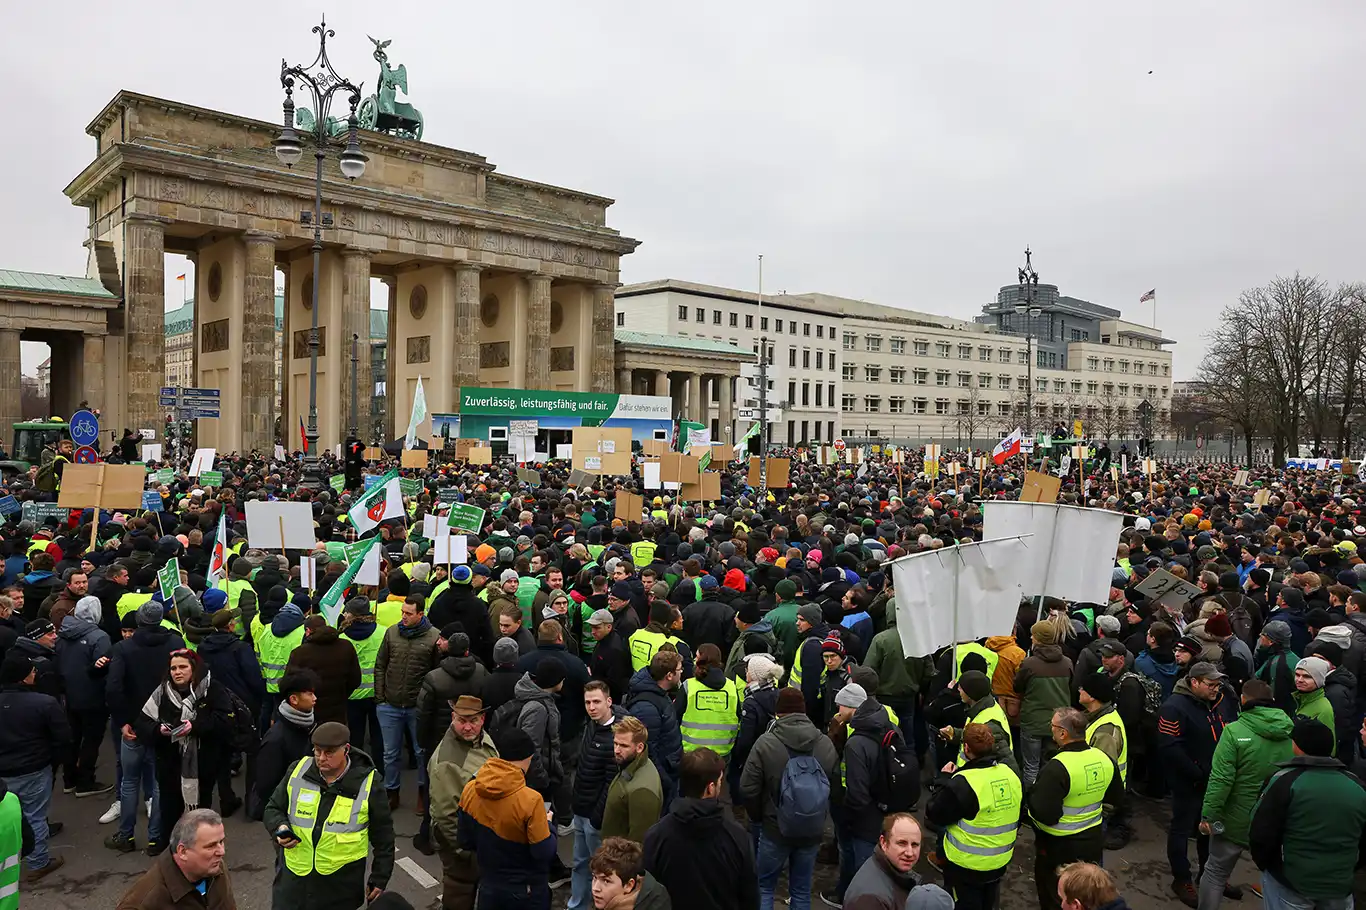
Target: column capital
[(466, 265), (351, 252), (262, 237)]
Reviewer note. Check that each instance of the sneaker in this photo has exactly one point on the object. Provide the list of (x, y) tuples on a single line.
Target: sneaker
[(54, 828), (1233, 892), (37, 875), (120, 843), (95, 788), (112, 813), (1256, 888), (68, 788), (830, 900), (423, 844), (559, 873), (155, 848), (1186, 894)]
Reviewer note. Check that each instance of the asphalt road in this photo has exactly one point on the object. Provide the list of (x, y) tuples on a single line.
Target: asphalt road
[(95, 877)]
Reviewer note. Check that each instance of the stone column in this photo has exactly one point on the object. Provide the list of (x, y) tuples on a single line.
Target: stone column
[(538, 332), (695, 397), (604, 337), (624, 378), (92, 373), (258, 344), (466, 341), (144, 319), (356, 321), (661, 383), (390, 359), (10, 410), (727, 410)]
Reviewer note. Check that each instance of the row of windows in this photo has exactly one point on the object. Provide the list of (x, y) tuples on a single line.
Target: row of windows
[(699, 315), (1107, 364), (821, 395), (872, 404)]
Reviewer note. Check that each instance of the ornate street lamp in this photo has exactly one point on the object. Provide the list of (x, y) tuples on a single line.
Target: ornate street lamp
[(320, 80)]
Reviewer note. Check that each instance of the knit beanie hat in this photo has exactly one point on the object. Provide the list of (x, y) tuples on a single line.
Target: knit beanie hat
[(1045, 633), (1317, 668), (790, 701), (851, 696), (149, 615), (1312, 737), (832, 645), (975, 684), (1277, 631), (1099, 686), (505, 652)]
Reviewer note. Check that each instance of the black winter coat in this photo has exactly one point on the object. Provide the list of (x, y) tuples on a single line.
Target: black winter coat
[(79, 644), (862, 767), (49, 677), (137, 666), (655, 709), (34, 733), (702, 857), (597, 768), (458, 603), (233, 663), (452, 678), (570, 697), (611, 663), (756, 713), (283, 745), (498, 688), (709, 621)]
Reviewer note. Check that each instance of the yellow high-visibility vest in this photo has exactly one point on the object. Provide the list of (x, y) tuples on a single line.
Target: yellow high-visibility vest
[(711, 717), (345, 836), (987, 841), (1090, 772)]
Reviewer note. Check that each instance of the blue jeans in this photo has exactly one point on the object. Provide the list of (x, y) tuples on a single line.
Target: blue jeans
[(1277, 896), (773, 858), (854, 852), (392, 722), (587, 839), (34, 792), (139, 773)]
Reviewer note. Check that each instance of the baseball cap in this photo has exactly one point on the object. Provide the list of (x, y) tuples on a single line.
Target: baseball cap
[(600, 618), (1203, 669)]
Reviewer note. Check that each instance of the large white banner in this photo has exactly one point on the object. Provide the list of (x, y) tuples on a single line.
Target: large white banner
[(987, 579), (1072, 552)]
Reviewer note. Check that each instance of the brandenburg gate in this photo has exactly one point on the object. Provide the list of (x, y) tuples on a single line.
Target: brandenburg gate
[(492, 280)]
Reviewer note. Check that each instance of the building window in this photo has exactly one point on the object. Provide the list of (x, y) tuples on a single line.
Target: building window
[(921, 377), (1165, 368), (983, 380), (896, 375), (983, 354), (621, 319), (777, 327), (1092, 363), (1108, 388), (1124, 366), (749, 321), (1022, 357), (832, 338), (983, 408), (1003, 355), (941, 405), (872, 404), (1041, 385), (963, 406), (682, 314), (820, 333), (1109, 366), (941, 377), (872, 374), (791, 393), (806, 329), (922, 349), (1021, 383), (763, 323), (715, 317), (792, 327), (1105, 339), (830, 395), (1152, 369), (965, 352), (1058, 386), (847, 373), (896, 405), (898, 345), (964, 380), (874, 342), (848, 341), (918, 405), (1076, 387), (1123, 390), (847, 403), (820, 402), (734, 320), (1003, 409), (1091, 388), (942, 348), (806, 394), (820, 360), (701, 315), (792, 357), (832, 361), (806, 358)]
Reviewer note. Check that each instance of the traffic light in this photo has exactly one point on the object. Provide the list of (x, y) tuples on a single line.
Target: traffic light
[(355, 462)]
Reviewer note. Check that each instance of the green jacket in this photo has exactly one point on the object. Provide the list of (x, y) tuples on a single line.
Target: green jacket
[(784, 619), (1316, 706), (633, 801), (1291, 836), (1247, 754), (885, 656), (451, 767)]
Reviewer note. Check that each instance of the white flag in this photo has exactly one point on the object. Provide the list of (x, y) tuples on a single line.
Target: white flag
[(384, 501), (419, 414), (218, 562)]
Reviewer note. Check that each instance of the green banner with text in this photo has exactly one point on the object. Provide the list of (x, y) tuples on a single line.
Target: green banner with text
[(590, 406)]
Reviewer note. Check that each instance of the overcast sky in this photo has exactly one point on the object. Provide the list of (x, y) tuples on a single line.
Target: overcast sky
[(903, 153)]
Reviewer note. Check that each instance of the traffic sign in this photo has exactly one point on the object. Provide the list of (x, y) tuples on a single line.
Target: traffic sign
[(85, 428), (839, 444), (86, 455), (192, 404)]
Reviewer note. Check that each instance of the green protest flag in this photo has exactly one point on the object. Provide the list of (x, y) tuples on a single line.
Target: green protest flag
[(705, 461), (337, 482), (331, 604), (169, 577), (749, 434), (166, 475), (410, 486)]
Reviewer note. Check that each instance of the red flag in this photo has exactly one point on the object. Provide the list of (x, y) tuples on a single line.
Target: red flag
[(303, 439)]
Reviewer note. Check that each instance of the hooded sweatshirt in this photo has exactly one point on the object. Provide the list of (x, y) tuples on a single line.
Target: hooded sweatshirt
[(702, 857), (503, 821), (763, 773), (1245, 757), (80, 643), (1161, 667), (1043, 683)]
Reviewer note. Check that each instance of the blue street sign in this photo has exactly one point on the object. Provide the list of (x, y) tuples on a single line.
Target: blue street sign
[(9, 505), (85, 428), (187, 394), (167, 402)]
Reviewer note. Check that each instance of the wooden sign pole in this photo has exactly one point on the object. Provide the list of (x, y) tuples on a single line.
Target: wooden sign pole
[(282, 533), (95, 516)]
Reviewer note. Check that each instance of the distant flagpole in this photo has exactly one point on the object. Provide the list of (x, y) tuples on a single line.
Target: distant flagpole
[(184, 288), (1151, 295)]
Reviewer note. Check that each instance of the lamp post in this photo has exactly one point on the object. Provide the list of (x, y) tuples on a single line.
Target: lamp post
[(1027, 304), (320, 80), (354, 430), (763, 389)]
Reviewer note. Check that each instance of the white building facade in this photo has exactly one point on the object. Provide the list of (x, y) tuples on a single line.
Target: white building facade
[(847, 368)]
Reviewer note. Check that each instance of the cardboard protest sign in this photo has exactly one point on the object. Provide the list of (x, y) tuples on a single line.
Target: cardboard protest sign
[(106, 486), (374, 453), (413, 458), (579, 478), (629, 506), (1240, 479), (529, 477), (1261, 498), (778, 471), (463, 446), (202, 461), (679, 468), (280, 525), (654, 447), (1164, 587), (707, 488), (1039, 487), (481, 455)]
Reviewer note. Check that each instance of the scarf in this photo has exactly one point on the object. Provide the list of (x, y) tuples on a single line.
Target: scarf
[(187, 742), (296, 717), (416, 630)]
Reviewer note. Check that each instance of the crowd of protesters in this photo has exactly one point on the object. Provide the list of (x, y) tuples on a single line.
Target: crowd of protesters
[(707, 698)]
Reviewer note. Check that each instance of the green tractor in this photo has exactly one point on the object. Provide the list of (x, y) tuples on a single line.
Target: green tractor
[(30, 438)]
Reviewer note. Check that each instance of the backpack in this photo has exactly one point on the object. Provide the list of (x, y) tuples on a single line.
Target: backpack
[(46, 479), (505, 718), (1152, 692), (242, 735), (803, 798), (897, 787)]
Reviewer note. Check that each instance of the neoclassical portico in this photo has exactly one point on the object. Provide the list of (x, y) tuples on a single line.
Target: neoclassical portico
[(493, 280), (693, 372)]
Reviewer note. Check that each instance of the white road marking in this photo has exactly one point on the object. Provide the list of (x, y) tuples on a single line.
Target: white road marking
[(419, 874)]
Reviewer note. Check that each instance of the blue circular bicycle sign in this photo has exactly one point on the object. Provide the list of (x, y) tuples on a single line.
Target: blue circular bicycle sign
[(85, 428)]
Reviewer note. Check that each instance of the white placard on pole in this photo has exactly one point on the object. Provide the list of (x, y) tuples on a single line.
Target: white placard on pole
[(266, 521), (1071, 552), (308, 573), (451, 549), (369, 568), (985, 579), (151, 451), (429, 526), (202, 461), (650, 474), (279, 452), (564, 452)]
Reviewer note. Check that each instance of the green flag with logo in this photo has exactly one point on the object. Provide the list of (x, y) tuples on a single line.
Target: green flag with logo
[(169, 576), (331, 604)]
